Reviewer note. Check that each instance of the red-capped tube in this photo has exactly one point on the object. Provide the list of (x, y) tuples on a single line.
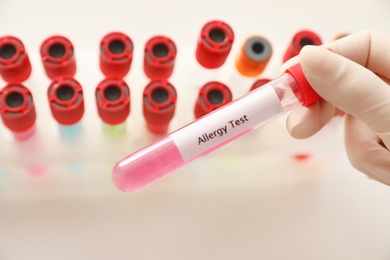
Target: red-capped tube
[(300, 39), (15, 65), (159, 102), (58, 57), (113, 100), (211, 96), (116, 54), (159, 57), (66, 100), (17, 108), (214, 44), (258, 83), (303, 91)]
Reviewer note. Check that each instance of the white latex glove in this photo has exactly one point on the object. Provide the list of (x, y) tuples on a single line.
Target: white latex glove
[(355, 79)]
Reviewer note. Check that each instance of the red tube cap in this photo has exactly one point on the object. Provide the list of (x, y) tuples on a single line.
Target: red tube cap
[(159, 57), (301, 87), (113, 100), (258, 83), (66, 100), (214, 44), (159, 102), (57, 54), (15, 65), (300, 39), (17, 107), (116, 54), (211, 96)]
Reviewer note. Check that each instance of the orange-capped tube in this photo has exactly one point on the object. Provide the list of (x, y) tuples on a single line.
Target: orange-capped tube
[(340, 35), (254, 56)]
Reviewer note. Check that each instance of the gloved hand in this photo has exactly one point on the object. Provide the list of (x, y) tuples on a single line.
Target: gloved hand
[(355, 80)]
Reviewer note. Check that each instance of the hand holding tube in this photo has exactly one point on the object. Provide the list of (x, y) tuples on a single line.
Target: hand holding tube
[(214, 130), (355, 80)]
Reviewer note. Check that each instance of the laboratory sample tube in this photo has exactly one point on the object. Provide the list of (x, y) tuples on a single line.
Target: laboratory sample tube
[(159, 103), (58, 56), (340, 35), (299, 40), (15, 65), (116, 54), (254, 56), (159, 57), (17, 110), (258, 83), (113, 104), (214, 44), (66, 101), (211, 96), (212, 131)]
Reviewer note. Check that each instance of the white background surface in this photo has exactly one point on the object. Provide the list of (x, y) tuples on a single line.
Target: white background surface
[(264, 207)]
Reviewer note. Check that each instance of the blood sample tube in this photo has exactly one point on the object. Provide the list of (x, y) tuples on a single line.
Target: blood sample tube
[(258, 83), (300, 39), (254, 56), (214, 130), (113, 103), (159, 103), (15, 65), (340, 35), (66, 101), (58, 57), (116, 54), (214, 44), (211, 96), (17, 110), (159, 57)]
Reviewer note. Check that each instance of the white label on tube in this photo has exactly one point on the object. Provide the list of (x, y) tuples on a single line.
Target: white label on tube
[(216, 128)]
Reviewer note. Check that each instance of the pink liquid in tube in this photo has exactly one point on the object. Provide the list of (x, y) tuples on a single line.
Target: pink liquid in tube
[(213, 130)]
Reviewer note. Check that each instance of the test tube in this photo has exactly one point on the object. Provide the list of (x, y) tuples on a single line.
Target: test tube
[(58, 57), (15, 65), (159, 103), (17, 110), (258, 83), (299, 40), (211, 96), (113, 103), (159, 57), (340, 35), (116, 54), (214, 44), (254, 56), (212, 131), (66, 100)]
